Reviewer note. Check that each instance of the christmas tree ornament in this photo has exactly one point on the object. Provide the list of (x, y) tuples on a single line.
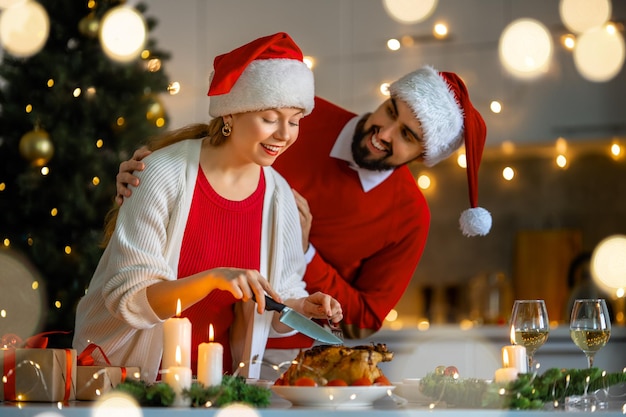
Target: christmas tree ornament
[(36, 147), (154, 108), (89, 25)]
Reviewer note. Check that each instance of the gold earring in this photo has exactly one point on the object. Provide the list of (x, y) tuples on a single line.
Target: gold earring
[(226, 129)]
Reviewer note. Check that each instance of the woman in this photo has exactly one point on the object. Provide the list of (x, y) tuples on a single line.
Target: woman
[(211, 210)]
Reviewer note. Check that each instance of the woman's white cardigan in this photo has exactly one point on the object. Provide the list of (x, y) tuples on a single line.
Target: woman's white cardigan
[(144, 250)]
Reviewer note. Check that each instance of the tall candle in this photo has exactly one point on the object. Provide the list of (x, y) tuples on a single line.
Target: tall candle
[(179, 378), (516, 358), (210, 358), (515, 355), (176, 333)]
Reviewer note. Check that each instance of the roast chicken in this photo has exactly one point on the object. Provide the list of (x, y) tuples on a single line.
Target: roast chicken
[(326, 363)]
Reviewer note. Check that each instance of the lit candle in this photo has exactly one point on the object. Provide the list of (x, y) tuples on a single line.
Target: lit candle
[(176, 334), (506, 373), (179, 378), (210, 358), (516, 355)]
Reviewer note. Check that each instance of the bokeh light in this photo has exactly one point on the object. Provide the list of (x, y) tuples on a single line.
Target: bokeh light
[(508, 173), (24, 28), (116, 404), (599, 53), (581, 15), (237, 410), (608, 263), (440, 31), (525, 48), (393, 44), (21, 299), (122, 33), (5, 4), (410, 11)]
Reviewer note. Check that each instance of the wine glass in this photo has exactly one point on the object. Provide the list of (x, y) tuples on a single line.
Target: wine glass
[(590, 326), (530, 324)]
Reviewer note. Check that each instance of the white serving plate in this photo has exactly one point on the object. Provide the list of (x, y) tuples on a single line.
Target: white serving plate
[(409, 389), (333, 397)]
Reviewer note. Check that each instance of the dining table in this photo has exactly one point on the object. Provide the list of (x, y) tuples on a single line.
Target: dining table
[(388, 406), (475, 351)]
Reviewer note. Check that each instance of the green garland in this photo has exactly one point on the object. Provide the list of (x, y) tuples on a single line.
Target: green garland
[(529, 391), (233, 389)]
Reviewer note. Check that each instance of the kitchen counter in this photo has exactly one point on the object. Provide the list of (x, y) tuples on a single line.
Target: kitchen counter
[(476, 351)]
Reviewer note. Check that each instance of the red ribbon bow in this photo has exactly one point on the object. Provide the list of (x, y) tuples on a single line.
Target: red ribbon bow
[(86, 358)]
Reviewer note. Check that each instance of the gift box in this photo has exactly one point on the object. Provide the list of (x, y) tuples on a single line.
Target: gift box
[(93, 381), (38, 374)]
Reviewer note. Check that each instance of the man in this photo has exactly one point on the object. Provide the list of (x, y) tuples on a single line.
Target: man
[(364, 220)]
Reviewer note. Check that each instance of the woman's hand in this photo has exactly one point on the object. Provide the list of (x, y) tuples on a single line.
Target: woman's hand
[(125, 175), (243, 283)]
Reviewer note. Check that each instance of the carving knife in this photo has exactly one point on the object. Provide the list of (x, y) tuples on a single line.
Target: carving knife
[(300, 323)]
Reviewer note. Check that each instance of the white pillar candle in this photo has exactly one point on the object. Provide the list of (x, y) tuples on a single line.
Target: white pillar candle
[(505, 375), (176, 333), (179, 378), (515, 358), (210, 358)]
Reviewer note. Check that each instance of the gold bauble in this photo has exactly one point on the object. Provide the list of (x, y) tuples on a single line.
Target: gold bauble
[(36, 147), (89, 25), (154, 107)]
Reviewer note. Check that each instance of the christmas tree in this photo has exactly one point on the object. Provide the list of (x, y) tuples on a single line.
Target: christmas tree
[(68, 115)]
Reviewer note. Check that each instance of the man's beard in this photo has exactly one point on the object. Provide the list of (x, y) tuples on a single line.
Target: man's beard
[(360, 153)]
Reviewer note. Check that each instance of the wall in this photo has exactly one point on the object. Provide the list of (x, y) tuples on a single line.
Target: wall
[(589, 197)]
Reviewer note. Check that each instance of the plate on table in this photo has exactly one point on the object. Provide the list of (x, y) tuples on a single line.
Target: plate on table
[(333, 397), (409, 389)]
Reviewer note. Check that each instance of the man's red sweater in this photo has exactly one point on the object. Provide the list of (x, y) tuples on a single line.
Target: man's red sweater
[(367, 244)]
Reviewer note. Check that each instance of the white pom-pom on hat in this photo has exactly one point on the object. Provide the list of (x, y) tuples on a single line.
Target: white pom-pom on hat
[(475, 222), (440, 101)]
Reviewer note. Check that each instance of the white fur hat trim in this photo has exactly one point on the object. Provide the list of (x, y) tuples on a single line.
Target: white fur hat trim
[(435, 106), (267, 84)]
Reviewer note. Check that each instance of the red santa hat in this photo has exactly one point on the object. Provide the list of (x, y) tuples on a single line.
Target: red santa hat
[(440, 101), (266, 73)]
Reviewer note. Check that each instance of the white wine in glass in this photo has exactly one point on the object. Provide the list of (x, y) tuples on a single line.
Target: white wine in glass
[(531, 327), (590, 326)]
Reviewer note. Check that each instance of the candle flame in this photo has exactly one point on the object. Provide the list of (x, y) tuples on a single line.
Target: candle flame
[(211, 332), (505, 358), (179, 358), (512, 335), (178, 308)]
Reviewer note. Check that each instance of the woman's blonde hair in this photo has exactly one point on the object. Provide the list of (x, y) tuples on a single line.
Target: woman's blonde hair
[(211, 131)]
